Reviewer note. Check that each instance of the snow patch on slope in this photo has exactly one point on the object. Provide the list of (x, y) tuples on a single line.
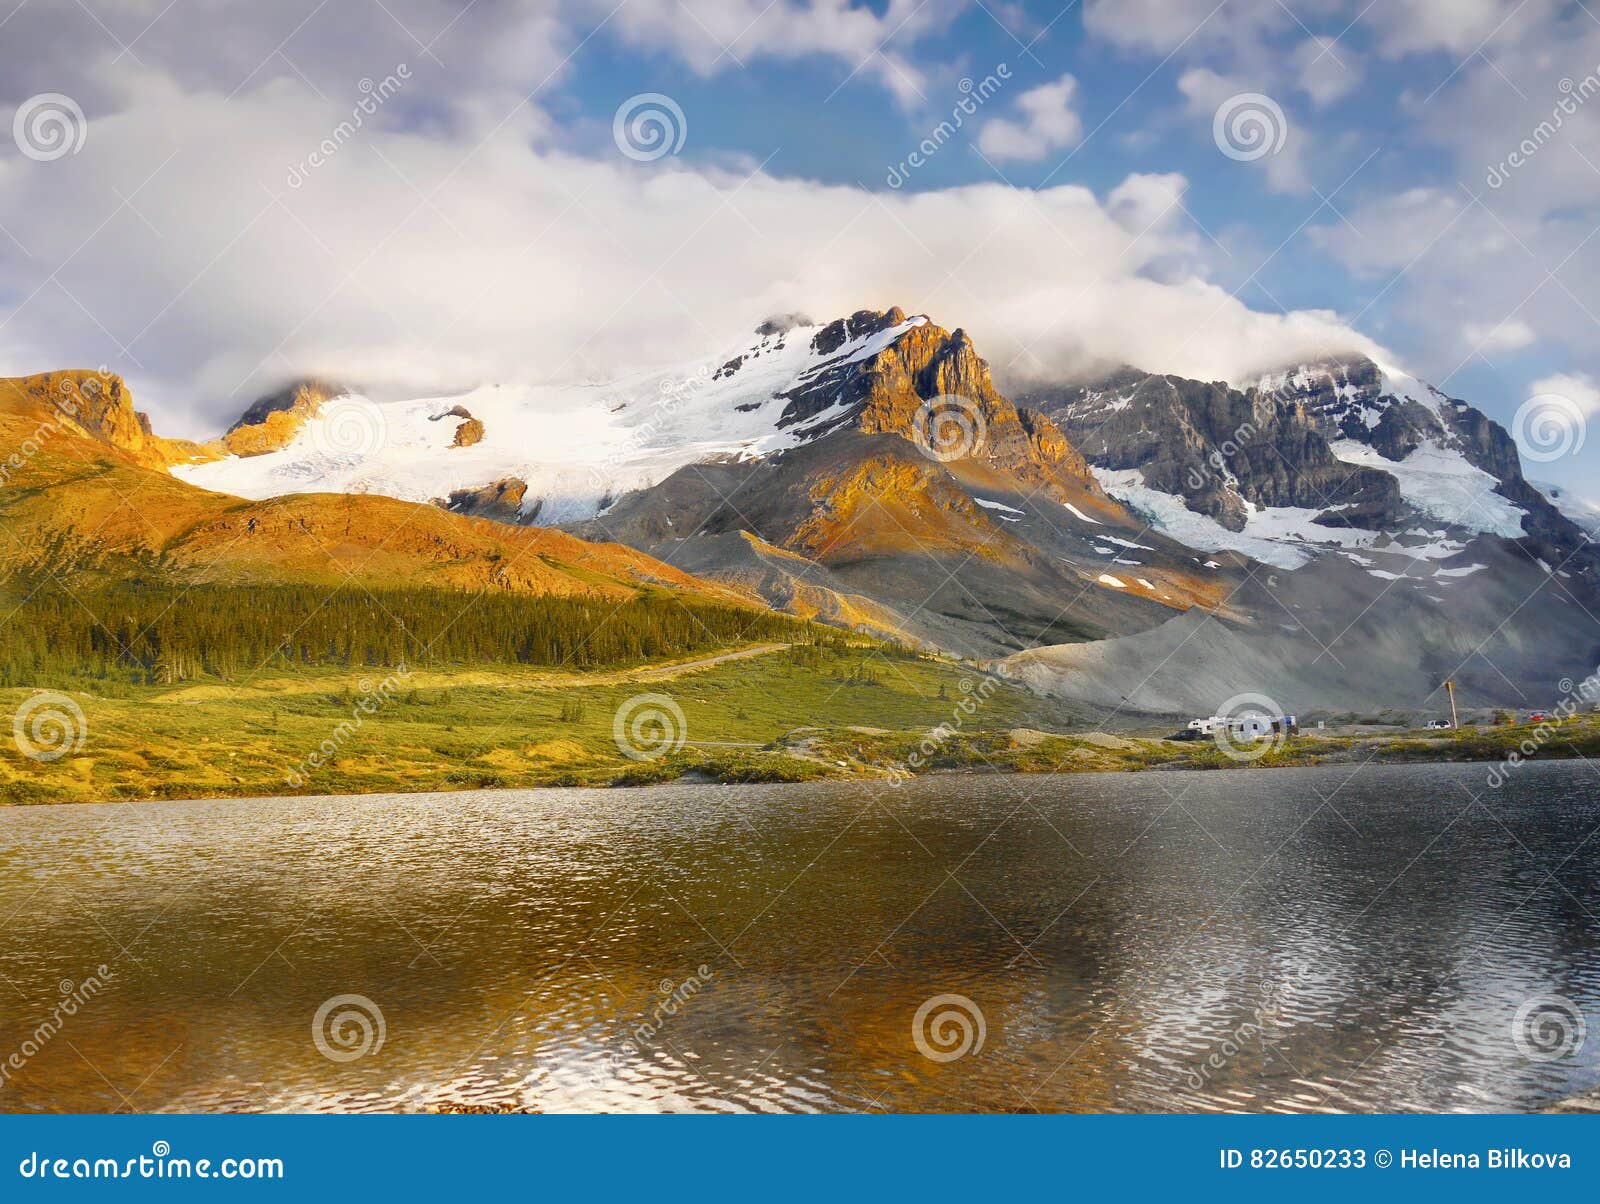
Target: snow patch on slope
[(1443, 485), (578, 446), (1167, 513), (988, 505), (1081, 514), (1581, 510), (1285, 537)]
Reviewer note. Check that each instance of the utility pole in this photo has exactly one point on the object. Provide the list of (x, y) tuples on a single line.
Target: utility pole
[(1450, 688)]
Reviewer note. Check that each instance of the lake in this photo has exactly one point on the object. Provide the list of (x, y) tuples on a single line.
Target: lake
[(1332, 938)]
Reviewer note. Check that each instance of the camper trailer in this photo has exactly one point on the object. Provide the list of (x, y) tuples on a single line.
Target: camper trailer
[(1246, 727)]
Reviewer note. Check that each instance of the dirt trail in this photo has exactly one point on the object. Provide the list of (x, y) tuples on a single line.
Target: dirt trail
[(704, 662), (422, 679)]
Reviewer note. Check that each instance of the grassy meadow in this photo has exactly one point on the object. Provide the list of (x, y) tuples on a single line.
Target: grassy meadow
[(489, 727), (763, 712)]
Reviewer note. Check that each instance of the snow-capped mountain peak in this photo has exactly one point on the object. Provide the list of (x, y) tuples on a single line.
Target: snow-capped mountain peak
[(571, 448)]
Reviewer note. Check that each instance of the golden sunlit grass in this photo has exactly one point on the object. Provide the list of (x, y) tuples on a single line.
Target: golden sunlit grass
[(779, 714)]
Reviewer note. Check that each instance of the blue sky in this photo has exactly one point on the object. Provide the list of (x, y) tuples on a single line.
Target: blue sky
[(1127, 225)]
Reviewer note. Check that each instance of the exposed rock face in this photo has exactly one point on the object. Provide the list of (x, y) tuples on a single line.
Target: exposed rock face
[(271, 422), (1350, 398), (500, 500), (782, 323), (1279, 443), (468, 431), (1219, 449), (900, 543), (889, 393), (100, 406)]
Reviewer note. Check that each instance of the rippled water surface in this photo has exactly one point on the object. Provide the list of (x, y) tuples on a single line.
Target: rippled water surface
[(1274, 940)]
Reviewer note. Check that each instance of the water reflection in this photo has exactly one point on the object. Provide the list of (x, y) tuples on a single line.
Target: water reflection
[(1286, 940)]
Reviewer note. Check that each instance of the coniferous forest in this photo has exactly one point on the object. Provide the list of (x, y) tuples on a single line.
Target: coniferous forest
[(145, 634)]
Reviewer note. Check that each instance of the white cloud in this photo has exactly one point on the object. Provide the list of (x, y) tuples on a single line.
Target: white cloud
[(1047, 123), (1146, 202), (487, 57), (1457, 27), (412, 261), (1325, 70), (1513, 334), (1576, 387), (1165, 26), (1397, 233), (719, 35)]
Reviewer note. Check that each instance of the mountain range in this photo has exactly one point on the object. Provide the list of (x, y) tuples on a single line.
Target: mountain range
[(87, 499), (1334, 535)]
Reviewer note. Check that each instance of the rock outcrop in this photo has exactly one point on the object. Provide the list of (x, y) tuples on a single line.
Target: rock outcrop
[(931, 387), (1220, 449), (271, 422), (99, 405), (500, 500)]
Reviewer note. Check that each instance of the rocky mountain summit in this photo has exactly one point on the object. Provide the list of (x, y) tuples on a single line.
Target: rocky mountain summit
[(868, 471), (1345, 441)]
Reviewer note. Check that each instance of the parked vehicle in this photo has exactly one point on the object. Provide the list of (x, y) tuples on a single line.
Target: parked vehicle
[(1437, 725), (1244, 727)]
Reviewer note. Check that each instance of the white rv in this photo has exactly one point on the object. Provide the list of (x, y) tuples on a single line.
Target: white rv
[(1245, 727)]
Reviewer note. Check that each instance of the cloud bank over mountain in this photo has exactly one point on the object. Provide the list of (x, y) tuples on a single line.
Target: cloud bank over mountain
[(408, 231)]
